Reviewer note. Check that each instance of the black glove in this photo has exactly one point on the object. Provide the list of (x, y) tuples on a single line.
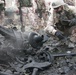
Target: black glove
[(72, 22), (59, 35)]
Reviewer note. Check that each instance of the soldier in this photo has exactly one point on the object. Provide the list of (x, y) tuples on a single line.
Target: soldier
[(62, 18)]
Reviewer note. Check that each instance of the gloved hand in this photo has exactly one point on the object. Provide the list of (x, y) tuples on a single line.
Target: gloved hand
[(59, 35), (72, 22)]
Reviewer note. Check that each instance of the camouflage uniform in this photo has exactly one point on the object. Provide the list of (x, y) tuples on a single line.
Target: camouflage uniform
[(68, 13)]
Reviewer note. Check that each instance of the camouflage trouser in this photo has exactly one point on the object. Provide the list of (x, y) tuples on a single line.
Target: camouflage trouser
[(32, 19), (72, 32), (2, 18)]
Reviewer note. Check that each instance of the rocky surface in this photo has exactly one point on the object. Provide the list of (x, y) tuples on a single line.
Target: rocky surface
[(12, 60)]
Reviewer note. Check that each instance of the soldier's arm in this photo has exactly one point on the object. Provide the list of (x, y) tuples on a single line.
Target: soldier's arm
[(50, 27), (50, 24), (73, 20), (73, 9)]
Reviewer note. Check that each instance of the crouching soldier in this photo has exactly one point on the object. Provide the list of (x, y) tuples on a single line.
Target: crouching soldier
[(62, 18)]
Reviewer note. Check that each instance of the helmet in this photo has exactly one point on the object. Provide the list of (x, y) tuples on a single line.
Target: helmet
[(1, 2), (35, 40), (57, 3)]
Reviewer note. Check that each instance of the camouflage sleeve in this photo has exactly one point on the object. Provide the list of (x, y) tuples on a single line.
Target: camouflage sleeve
[(50, 29), (73, 9), (50, 24)]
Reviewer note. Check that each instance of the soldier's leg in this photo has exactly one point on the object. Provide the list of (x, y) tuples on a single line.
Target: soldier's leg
[(72, 32)]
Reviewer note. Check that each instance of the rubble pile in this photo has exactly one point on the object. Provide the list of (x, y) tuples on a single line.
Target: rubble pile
[(53, 58)]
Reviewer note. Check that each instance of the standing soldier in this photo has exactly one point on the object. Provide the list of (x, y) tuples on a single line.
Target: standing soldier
[(25, 10), (62, 18)]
